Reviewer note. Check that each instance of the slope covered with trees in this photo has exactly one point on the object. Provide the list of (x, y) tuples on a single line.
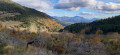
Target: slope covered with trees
[(10, 11), (111, 24)]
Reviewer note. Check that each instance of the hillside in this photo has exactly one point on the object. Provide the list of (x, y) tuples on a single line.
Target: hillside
[(111, 24), (28, 17)]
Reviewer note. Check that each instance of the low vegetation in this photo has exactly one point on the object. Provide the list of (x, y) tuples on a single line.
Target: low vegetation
[(43, 43)]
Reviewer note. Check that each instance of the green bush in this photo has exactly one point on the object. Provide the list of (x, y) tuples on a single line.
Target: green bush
[(2, 45)]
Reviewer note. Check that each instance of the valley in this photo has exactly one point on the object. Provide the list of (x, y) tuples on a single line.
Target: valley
[(65, 21)]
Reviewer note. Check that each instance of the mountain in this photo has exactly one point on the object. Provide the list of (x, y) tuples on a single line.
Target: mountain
[(62, 22), (111, 24), (15, 16), (76, 19)]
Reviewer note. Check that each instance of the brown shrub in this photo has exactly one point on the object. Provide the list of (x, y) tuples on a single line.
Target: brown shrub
[(76, 39), (69, 35), (45, 34), (22, 37), (59, 49), (96, 39), (8, 49), (0, 24), (99, 32), (15, 31)]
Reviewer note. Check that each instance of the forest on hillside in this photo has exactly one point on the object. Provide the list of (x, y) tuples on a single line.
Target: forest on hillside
[(111, 24)]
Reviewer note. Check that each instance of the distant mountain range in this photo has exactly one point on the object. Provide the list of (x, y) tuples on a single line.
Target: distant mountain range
[(76, 19), (65, 21)]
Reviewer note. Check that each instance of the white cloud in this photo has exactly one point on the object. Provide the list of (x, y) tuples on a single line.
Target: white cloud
[(40, 5), (117, 0), (74, 9), (70, 4), (110, 8), (73, 5), (88, 15)]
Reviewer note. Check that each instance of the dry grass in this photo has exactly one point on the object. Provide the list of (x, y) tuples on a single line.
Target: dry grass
[(11, 24)]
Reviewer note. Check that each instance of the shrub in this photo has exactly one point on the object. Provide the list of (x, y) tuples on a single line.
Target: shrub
[(0, 25), (15, 31), (59, 49), (33, 34), (8, 49), (76, 39), (85, 48), (2, 29), (67, 35), (96, 39), (99, 32), (22, 37), (79, 36), (59, 40), (2, 45), (19, 49), (45, 34)]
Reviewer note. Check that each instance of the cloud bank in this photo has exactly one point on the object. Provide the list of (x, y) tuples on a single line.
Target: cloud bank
[(74, 5), (40, 5), (88, 15)]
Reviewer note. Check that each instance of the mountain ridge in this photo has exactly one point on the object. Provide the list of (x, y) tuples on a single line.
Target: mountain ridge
[(75, 19), (28, 16)]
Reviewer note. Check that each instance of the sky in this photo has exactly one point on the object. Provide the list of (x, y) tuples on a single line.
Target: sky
[(70, 8)]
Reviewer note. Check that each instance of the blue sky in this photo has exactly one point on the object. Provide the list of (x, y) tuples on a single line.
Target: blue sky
[(84, 8)]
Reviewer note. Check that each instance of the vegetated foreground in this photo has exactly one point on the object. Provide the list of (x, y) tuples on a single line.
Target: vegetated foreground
[(14, 42)]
